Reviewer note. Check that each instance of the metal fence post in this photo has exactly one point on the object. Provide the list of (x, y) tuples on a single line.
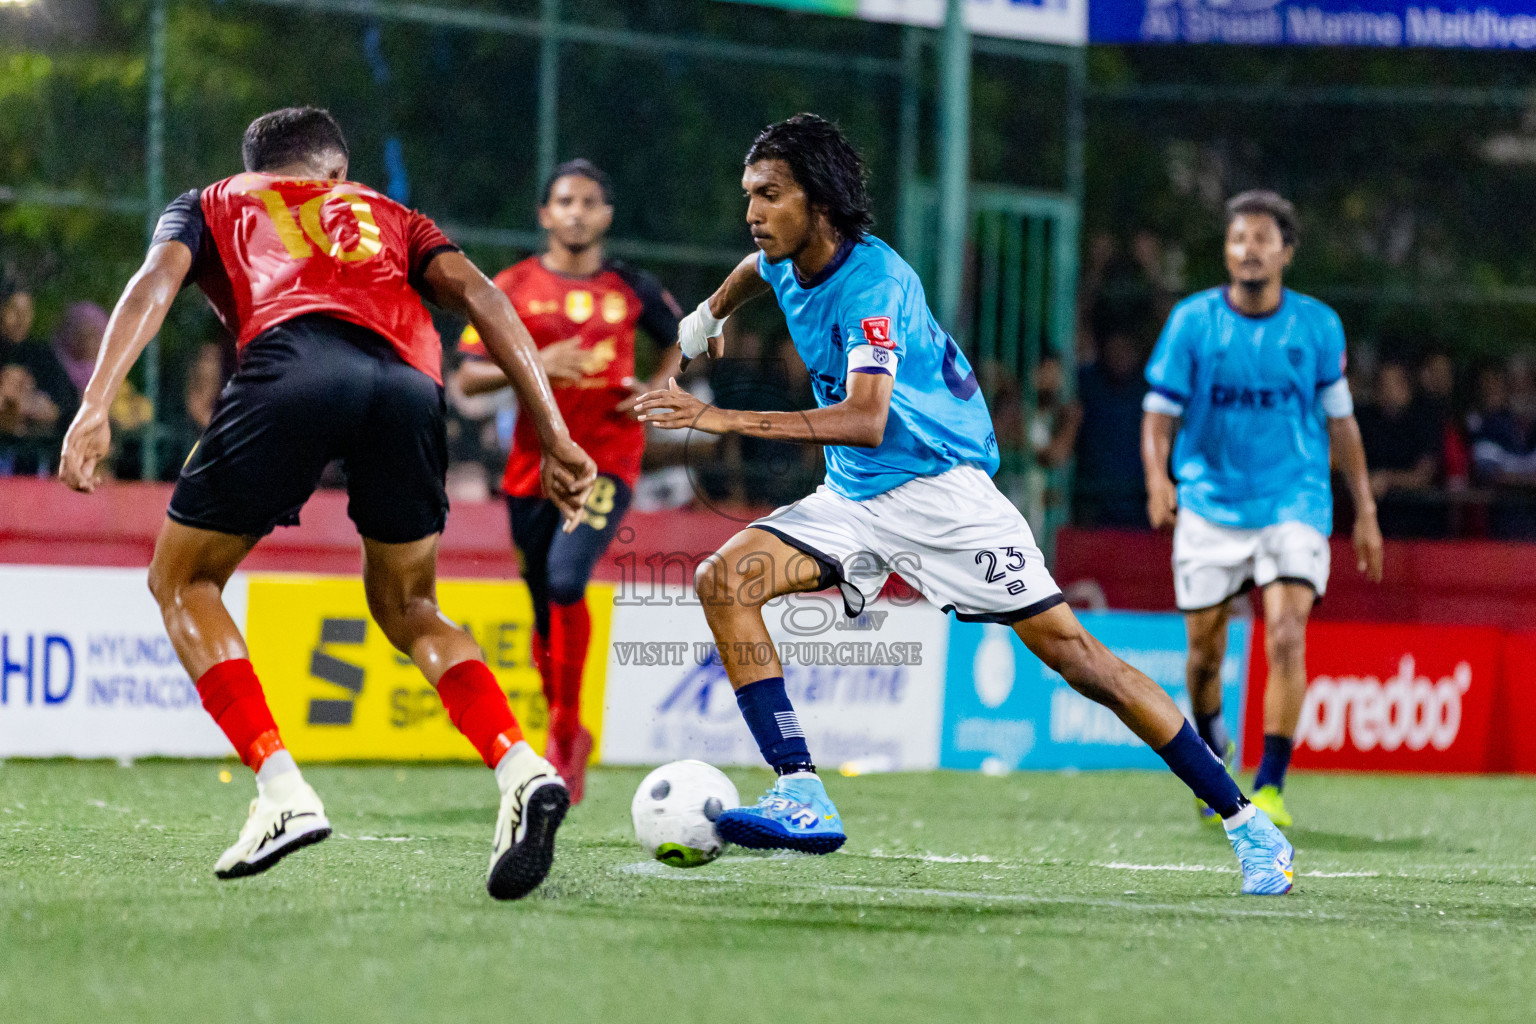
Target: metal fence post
[(154, 196), (549, 87), (906, 145), (954, 164)]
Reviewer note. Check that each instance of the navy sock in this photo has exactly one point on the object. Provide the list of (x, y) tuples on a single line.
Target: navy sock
[(1192, 761), (1277, 758), (1213, 729), (774, 725)]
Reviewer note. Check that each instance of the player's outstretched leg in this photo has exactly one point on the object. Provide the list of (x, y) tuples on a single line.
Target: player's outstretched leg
[(187, 578), (733, 585), (1059, 640), (401, 582)]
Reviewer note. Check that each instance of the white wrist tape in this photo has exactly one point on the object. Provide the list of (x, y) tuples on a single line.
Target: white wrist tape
[(697, 328)]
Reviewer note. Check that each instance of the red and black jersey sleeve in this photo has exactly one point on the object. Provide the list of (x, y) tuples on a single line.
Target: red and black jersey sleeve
[(183, 221), (425, 241), (659, 311)]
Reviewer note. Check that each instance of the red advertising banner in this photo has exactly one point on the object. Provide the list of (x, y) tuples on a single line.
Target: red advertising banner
[(1514, 728), (1392, 698)]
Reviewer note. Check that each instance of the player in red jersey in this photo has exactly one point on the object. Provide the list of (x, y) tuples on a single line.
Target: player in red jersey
[(582, 310), (320, 280)]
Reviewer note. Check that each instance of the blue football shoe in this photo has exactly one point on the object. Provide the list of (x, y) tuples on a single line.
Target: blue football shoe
[(1265, 855), (796, 814)]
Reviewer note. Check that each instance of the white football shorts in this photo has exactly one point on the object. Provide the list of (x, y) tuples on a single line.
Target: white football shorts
[(954, 537), (1211, 563)]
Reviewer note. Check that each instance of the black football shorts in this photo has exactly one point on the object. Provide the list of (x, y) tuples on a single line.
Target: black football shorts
[(309, 391)]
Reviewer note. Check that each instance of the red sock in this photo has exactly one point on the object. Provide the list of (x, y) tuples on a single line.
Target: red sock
[(538, 646), (569, 634), (479, 709), (232, 694)]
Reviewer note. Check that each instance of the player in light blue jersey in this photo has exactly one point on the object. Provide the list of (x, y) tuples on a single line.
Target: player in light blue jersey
[(1248, 403), (910, 454)]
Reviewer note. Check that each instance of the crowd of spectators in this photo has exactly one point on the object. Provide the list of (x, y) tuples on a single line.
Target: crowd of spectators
[(1451, 447), (680, 467), (42, 379), (43, 375)]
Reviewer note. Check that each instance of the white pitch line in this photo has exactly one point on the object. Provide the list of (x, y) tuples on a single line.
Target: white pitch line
[(934, 858), (654, 869), (1227, 869)]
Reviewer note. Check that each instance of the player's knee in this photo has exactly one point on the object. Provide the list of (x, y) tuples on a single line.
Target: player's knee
[(1203, 664), (393, 614), (159, 586), (165, 585), (1076, 658), (711, 582), (1285, 639)]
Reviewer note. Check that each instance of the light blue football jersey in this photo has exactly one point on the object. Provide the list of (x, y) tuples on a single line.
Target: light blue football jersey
[(868, 295), (1253, 447)]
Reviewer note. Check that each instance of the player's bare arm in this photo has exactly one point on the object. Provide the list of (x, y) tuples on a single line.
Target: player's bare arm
[(702, 332), (1157, 430), (858, 421), (1349, 453), (137, 318), (459, 286), (564, 360)]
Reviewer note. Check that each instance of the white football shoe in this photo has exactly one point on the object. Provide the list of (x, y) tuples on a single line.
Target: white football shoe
[(286, 818), (533, 804)]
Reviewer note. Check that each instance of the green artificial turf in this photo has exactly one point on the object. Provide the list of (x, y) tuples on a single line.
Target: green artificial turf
[(958, 898)]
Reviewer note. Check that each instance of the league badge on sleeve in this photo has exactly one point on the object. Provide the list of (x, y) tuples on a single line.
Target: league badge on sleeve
[(877, 331)]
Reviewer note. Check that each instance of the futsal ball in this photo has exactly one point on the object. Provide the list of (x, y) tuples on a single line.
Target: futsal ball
[(675, 810)]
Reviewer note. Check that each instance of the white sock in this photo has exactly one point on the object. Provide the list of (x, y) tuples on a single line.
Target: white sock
[(275, 771), (800, 775), (506, 771), (1239, 819)]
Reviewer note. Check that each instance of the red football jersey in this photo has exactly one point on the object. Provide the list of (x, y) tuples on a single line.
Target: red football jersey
[(601, 310), (275, 248)]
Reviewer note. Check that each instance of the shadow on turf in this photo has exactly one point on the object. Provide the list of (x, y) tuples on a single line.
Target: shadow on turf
[(1346, 842)]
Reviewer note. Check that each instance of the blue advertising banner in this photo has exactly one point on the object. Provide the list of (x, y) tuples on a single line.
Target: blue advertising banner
[(1004, 710), (1499, 25)]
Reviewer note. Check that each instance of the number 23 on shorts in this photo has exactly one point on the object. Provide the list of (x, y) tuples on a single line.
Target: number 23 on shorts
[(1012, 560)]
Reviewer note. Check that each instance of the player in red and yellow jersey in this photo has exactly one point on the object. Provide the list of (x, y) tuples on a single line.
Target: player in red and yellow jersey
[(321, 282), (582, 310)]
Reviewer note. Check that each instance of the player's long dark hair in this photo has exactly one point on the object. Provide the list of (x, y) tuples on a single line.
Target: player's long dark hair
[(825, 165), (290, 135)]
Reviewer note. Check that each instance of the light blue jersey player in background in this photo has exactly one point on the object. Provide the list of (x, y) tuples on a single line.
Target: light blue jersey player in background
[(1248, 405), (910, 455)]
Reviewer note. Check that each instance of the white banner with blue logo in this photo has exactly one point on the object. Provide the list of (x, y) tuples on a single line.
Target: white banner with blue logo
[(86, 669), (1497, 25), (1004, 710), (869, 691)]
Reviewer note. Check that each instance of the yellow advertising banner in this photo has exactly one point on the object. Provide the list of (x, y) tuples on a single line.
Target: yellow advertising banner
[(339, 691)]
